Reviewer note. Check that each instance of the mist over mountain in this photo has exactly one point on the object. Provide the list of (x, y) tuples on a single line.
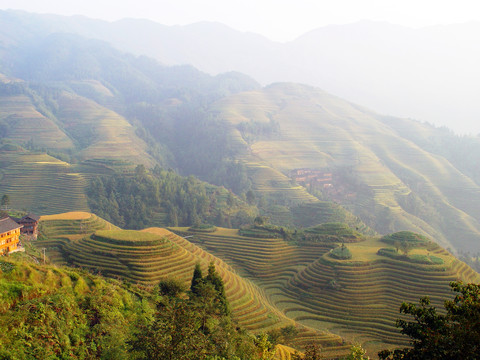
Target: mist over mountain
[(314, 215), (428, 74), (86, 101)]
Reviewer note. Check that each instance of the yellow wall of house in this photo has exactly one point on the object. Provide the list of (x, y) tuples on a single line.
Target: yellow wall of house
[(9, 240)]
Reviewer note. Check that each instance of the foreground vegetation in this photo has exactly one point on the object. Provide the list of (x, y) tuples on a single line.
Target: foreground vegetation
[(59, 313), (439, 336), (160, 197)]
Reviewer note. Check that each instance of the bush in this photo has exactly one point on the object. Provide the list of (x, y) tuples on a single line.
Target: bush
[(415, 258), (405, 236), (341, 253)]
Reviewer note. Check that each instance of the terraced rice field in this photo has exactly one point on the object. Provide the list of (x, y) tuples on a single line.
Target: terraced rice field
[(145, 257), (273, 184), (100, 132), (312, 214), (26, 124), (357, 299), (400, 186), (270, 283), (41, 183)]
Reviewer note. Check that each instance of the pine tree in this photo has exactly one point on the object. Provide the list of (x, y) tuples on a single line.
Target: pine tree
[(217, 282), (197, 279)]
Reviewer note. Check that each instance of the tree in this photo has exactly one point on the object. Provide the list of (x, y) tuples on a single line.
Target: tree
[(405, 246), (197, 279), (5, 201), (217, 282), (250, 196), (171, 287), (265, 348), (312, 352), (455, 335), (357, 353), (260, 220)]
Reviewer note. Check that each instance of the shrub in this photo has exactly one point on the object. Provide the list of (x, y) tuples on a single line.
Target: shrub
[(415, 258), (341, 253)]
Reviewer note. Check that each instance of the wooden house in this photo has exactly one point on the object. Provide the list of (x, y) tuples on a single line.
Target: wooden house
[(30, 224), (9, 235)]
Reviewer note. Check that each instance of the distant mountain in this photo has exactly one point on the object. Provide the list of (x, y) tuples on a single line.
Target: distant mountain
[(377, 172), (429, 74), (89, 104)]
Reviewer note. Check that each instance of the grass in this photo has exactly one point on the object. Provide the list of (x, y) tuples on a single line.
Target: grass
[(127, 237)]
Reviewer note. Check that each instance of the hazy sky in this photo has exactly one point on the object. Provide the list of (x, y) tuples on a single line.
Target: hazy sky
[(280, 20)]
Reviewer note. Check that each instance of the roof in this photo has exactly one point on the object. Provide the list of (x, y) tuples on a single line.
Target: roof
[(32, 216), (7, 224)]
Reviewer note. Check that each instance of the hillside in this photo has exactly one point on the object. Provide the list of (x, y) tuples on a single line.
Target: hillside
[(49, 311), (373, 63), (272, 283), (388, 181), (59, 312), (100, 110), (357, 298), (147, 256)]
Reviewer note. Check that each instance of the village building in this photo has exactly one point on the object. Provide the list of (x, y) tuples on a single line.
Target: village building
[(9, 235), (30, 224)]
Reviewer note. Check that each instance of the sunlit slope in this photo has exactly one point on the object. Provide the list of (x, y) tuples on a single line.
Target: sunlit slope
[(40, 183), (99, 132), (357, 298), (87, 241), (22, 121), (400, 186)]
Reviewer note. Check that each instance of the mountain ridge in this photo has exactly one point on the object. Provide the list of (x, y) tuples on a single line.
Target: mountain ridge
[(378, 70)]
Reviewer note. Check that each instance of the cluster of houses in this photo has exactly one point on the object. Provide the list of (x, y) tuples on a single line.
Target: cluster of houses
[(312, 177), (11, 228)]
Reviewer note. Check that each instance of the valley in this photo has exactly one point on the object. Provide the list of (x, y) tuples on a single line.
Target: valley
[(319, 215)]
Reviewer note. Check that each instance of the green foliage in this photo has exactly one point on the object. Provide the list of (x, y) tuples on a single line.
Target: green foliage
[(5, 200), (413, 258), (341, 253), (357, 353), (332, 232), (194, 328), (200, 284), (454, 335), (41, 319), (139, 201), (171, 287), (312, 352), (406, 237), (55, 313), (255, 130), (266, 348), (283, 335), (197, 279)]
